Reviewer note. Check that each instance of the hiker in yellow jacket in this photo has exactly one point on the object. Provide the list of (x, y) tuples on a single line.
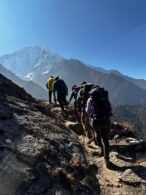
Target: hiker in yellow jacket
[(49, 86)]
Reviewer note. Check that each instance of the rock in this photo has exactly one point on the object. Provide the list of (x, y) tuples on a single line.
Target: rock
[(12, 173), (130, 139), (76, 127), (42, 168), (135, 176), (57, 189), (135, 142), (140, 146), (8, 141), (89, 182), (110, 184), (76, 159), (118, 193), (116, 137), (40, 186), (28, 149), (143, 163), (118, 185), (140, 157), (5, 114)]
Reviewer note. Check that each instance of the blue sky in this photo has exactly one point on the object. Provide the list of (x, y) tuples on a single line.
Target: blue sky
[(105, 33)]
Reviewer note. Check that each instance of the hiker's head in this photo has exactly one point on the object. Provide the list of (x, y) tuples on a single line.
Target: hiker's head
[(51, 77), (83, 83), (56, 78), (73, 87), (94, 89)]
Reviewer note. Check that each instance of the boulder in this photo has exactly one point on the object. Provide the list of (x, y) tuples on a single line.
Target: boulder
[(134, 176), (76, 127)]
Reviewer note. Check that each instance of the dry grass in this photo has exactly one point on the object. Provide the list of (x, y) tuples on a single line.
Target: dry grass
[(127, 125)]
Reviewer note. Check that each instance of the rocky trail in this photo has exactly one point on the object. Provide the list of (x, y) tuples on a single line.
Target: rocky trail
[(127, 174), (43, 152)]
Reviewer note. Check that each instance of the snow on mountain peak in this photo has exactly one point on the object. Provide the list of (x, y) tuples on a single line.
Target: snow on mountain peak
[(29, 59)]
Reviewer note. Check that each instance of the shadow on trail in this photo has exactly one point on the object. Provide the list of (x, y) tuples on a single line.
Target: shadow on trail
[(139, 170)]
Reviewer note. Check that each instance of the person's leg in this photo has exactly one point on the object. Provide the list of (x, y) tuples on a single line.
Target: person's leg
[(105, 138), (98, 139), (83, 121), (54, 96), (88, 128), (64, 99), (50, 97), (91, 134), (76, 112), (60, 100), (95, 126), (104, 133)]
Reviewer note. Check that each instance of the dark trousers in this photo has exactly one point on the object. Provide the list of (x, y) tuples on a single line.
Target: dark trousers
[(50, 96), (76, 113), (62, 100), (101, 131)]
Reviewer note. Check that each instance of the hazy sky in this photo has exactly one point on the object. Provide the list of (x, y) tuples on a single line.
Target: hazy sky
[(106, 33)]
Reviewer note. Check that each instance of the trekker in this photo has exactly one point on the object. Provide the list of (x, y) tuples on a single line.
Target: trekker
[(49, 86), (74, 93), (99, 109), (89, 111), (62, 91), (82, 101), (89, 108)]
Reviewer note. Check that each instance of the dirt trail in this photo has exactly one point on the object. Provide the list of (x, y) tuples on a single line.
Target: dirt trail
[(127, 175)]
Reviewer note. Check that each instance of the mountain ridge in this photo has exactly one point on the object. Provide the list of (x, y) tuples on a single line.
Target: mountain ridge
[(32, 88), (44, 63)]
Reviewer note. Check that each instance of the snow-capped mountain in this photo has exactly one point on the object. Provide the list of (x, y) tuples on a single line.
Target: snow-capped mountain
[(30, 62), (36, 64), (32, 88)]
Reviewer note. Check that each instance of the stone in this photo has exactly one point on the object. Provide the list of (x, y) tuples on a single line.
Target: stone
[(143, 163), (129, 139), (76, 159), (40, 186), (135, 176), (8, 141), (76, 127), (116, 137), (5, 115), (135, 142)]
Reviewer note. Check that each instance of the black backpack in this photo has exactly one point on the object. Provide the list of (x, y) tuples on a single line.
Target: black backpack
[(101, 107), (85, 93)]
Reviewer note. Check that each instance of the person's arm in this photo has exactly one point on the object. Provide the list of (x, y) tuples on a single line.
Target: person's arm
[(71, 97), (47, 85), (66, 88), (88, 107)]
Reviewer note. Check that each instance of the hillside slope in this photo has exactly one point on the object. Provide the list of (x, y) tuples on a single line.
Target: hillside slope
[(121, 91), (32, 88), (36, 148), (135, 116)]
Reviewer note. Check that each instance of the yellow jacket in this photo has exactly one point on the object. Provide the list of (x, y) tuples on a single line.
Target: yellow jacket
[(50, 83)]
